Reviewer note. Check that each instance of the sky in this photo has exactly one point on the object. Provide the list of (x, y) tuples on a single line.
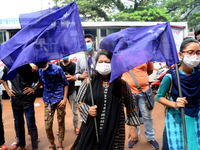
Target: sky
[(13, 8)]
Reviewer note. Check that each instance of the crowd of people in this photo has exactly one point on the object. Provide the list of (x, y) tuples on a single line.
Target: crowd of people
[(102, 112)]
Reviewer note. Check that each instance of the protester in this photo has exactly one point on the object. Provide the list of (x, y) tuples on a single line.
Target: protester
[(22, 100), (197, 35), (142, 73), (109, 99), (2, 138), (190, 84), (69, 70), (81, 67), (15, 144), (55, 90)]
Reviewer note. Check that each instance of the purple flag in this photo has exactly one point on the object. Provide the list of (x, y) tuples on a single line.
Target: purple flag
[(51, 36), (26, 19), (134, 46)]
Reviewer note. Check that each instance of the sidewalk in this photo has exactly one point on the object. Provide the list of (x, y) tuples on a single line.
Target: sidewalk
[(158, 114)]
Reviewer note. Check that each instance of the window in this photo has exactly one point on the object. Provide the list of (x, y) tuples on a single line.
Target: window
[(113, 30)]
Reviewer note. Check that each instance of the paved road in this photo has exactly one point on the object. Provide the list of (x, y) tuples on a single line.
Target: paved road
[(158, 114)]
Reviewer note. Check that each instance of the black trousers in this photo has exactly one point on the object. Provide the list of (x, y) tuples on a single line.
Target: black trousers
[(2, 139)]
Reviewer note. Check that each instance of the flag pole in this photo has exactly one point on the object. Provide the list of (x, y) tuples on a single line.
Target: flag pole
[(91, 93), (182, 109)]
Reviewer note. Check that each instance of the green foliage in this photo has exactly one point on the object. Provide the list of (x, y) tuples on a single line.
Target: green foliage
[(149, 13), (141, 10), (194, 20)]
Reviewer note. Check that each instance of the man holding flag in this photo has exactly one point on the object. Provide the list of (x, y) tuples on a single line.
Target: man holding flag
[(45, 36)]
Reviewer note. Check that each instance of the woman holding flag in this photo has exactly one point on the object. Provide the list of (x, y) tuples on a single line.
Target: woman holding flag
[(190, 84), (109, 99)]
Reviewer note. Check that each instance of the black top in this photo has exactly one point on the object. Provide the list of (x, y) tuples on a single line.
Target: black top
[(24, 78), (69, 70)]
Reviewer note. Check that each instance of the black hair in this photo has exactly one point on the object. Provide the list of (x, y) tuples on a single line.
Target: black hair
[(186, 42), (41, 64), (196, 32), (119, 84), (89, 36), (185, 38), (107, 54)]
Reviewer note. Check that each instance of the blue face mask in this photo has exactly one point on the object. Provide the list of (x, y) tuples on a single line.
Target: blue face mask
[(65, 58), (89, 47)]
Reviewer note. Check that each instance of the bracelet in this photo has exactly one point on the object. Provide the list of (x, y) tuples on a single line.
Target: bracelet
[(132, 110), (34, 88)]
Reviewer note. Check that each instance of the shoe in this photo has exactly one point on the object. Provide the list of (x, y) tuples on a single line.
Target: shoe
[(76, 130), (60, 147), (4, 147), (132, 144), (154, 144), (14, 145), (52, 147)]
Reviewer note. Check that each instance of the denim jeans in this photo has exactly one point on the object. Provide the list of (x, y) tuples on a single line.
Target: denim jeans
[(2, 139), (73, 105), (146, 115), (30, 118)]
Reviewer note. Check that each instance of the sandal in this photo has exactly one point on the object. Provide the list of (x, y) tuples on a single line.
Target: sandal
[(14, 145), (60, 147), (4, 147), (76, 130), (54, 147)]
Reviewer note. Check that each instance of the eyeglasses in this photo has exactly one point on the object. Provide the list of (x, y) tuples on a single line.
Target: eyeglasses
[(192, 52)]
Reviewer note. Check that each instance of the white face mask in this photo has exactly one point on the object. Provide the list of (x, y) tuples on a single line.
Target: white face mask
[(191, 61), (103, 68), (45, 68)]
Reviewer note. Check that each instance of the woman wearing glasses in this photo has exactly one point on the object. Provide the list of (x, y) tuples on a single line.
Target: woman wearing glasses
[(190, 84)]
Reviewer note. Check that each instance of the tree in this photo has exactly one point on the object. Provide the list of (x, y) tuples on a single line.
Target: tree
[(102, 10), (92, 9), (194, 20), (183, 10), (148, 13)]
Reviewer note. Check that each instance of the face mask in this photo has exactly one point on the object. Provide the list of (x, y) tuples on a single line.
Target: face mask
[(45, 68), (89, 47), (65, 58), (191, 61), (103, 68)]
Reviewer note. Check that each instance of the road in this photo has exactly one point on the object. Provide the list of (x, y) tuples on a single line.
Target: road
[(158, 115)]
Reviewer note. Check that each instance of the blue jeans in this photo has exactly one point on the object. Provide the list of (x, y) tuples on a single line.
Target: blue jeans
[(30, 119), (146, 115)]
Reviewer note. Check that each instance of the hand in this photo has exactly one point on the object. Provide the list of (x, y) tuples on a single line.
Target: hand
[(11, 93), (180, 102), (1, 81), (62, 104), (68, 76), (93, 111), (28, 90), (34, 67), (85, 74), (133, 133)]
